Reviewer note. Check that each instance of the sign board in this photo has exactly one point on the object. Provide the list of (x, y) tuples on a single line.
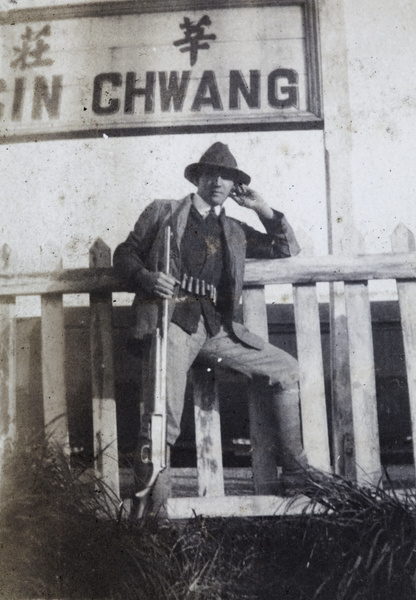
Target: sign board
[(135, 71)]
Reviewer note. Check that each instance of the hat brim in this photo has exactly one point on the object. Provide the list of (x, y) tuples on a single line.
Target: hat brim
[(193, 171)]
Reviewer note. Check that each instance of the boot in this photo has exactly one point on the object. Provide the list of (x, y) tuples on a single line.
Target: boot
[(160, 492), (306, 480), (295, 466)]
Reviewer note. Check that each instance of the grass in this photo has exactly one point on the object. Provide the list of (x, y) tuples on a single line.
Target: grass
[(58, 542)]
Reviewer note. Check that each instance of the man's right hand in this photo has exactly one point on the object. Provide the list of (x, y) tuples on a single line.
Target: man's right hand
[(159, 284)]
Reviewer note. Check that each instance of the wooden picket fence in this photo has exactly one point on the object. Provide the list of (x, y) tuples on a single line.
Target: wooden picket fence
[(355, 427)]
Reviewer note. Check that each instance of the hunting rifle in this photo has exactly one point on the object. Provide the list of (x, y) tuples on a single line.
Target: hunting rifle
[(155, 452)]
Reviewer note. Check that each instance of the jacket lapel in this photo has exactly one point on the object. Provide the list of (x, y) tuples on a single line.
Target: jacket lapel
[(179, 219), (232, 247)]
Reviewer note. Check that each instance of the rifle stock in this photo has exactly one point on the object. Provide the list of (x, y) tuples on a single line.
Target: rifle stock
[(156, 452)]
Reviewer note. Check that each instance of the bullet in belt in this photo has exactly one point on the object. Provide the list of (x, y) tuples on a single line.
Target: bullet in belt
[(203, 290), (190, 282), (184, 281)]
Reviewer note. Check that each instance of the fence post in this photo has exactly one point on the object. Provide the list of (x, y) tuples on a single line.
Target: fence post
[(262, 432), (311, 368), (362, 377), (102, 379), (7, 369), (53, 370), (207, 431), (341, 406), (312, 386), (403, 240)]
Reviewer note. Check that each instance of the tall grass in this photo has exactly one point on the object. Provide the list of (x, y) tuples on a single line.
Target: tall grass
[(60, 539), (371, 535)]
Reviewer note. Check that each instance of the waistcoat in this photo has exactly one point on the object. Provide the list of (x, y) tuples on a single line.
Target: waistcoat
[(203, 258)]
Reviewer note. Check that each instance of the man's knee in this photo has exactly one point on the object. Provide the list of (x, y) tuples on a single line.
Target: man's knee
[(286, 386), (286, 376)]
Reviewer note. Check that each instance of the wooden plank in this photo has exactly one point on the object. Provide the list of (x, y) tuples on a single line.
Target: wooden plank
[(341, 403), (207, 432), (330, 268), (238, 506), (117, 8), (68, 281), (363, 388), (338, 152), (402, 240), (7, 367), (312, 387), (294, 270), (262, 431), (102, 380), (53, 371), (7, 376)]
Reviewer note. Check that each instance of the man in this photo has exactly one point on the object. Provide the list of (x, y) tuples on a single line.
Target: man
[(208, 252)]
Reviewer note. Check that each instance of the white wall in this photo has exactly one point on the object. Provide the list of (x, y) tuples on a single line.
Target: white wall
[(381, 40), (57, 197), (60, 196)]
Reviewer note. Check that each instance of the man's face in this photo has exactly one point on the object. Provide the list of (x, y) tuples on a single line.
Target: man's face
[(214, 185)]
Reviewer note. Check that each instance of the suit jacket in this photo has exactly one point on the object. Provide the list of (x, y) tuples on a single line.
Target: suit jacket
[(143, 251)]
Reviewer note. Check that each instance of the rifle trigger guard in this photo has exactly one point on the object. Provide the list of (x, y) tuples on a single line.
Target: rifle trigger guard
[(145, 453)]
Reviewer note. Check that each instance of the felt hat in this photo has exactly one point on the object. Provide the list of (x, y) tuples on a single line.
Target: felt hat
[(218, 155)]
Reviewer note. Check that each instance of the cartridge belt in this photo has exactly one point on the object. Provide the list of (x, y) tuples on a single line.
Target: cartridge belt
[(199, 287)]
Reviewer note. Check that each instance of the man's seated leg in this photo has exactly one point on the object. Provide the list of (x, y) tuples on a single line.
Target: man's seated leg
[(281, 371)]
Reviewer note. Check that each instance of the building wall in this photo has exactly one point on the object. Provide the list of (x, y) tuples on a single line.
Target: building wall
[(59, 196), (381, 42), (69, 192)]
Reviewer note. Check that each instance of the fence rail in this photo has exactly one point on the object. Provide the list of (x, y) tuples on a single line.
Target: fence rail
[(296, 271), (360, 440)]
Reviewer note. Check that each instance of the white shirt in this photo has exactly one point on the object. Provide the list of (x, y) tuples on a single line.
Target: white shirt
[(203, 207)]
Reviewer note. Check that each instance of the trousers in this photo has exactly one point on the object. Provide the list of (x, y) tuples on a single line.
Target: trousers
[(278, 367)]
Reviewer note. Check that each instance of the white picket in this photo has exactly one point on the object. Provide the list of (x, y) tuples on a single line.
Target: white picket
[(102, 378), (207, 432), (262, 431), (403, 240), (312, 385), (363, 387), (7, 368), (53, 371)]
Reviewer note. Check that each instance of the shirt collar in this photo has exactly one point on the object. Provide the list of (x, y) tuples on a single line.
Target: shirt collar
[(203, 207)]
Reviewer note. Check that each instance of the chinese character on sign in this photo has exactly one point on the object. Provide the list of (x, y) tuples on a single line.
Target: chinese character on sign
[(193, 34), (30, 54)]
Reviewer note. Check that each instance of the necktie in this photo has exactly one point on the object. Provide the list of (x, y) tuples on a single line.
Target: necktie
[(211, 218)]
